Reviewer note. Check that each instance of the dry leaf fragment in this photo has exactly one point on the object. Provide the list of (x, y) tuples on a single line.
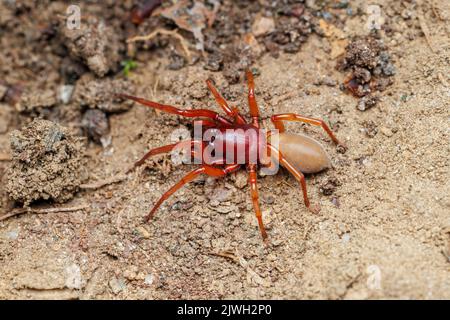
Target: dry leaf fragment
[(193, 19), (262, 26)]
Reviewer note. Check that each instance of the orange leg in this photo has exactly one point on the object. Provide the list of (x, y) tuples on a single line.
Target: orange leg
[(181, 112), (209, 170), (164, 149), (252, 178), (224, 105), (254, 111), (278, 119), (297, 174)]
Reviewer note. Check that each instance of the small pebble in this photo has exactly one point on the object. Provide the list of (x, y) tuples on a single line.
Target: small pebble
[(73, 277), (367, 102), (386, 131), (143, 232), (241, 180), (117, 285), (220, 194), (328, 81), (65, 93), (149, 278), (3, 90), (336, 202), (95, 123), (214, 62), (176, 62), (277, 242), (269, 199), (262, 26), (12, 235), (131, 274), (346, 237)]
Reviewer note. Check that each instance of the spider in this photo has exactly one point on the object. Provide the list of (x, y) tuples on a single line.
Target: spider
[(297, 153)]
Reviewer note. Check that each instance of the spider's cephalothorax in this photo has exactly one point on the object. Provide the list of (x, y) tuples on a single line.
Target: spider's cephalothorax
[(233, 135)]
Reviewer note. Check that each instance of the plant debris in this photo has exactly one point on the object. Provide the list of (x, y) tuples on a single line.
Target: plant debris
[(193, 19)]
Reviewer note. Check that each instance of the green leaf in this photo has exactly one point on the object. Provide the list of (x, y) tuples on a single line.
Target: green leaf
[(128, 65)]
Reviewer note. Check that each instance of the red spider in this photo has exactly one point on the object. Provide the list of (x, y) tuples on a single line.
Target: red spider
[(297, 153)]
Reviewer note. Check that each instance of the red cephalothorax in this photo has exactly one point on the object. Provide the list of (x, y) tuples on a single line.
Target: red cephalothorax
[(228, 143)]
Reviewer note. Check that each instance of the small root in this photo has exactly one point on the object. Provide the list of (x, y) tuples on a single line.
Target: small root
[(435, 9), (101, 183), (425, 30), (170, 33), (17, 212), (252, 276)]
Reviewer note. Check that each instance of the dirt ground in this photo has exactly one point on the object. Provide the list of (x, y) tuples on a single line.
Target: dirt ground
[(383, 231)]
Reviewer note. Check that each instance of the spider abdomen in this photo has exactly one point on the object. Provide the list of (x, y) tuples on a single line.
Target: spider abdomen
[(304, 153)]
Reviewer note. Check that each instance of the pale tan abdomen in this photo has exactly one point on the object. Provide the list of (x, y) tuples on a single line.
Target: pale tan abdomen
[(304, 153)]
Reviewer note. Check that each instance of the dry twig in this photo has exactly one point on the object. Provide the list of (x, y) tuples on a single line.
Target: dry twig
[(43, 210), (225, 254)]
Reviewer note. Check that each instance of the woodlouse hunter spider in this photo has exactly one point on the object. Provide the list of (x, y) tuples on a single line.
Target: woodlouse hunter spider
[(297, 153)]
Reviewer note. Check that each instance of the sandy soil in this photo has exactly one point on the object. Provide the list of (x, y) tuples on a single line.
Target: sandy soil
[(384, 226)]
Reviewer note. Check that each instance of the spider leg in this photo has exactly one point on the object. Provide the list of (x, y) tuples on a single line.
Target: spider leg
[(252, 178), (278, 119), (254, 110), (224, 105), (165, 149), (297, 174), (206, 169), (181, 112)]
